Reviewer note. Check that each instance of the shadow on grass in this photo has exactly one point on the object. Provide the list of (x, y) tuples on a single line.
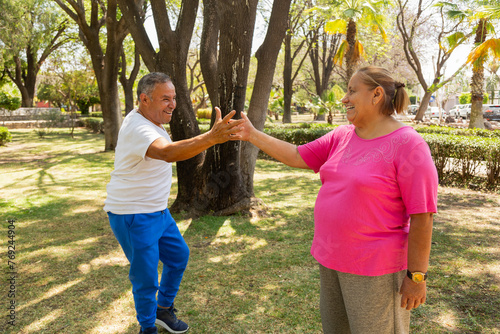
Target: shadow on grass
[(253, 272), (464, 280), (70, 269)]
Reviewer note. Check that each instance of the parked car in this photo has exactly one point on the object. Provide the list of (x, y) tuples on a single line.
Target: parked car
[(433, 112), (491, 112), (461, 110), (412, 109)]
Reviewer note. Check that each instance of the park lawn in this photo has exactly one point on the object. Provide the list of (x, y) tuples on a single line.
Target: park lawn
[(245, 275)]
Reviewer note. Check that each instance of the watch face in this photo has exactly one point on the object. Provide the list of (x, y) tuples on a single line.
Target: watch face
[(418, 277)]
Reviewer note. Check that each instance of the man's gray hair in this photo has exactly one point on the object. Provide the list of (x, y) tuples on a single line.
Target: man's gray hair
[(148, 83)]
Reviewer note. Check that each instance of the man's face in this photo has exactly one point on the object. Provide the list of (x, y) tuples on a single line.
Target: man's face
[(159, 108)]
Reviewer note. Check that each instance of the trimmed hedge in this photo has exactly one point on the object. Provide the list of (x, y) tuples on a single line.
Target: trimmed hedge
[(464, 156), (461, 132), (459, 154), (297, 136)]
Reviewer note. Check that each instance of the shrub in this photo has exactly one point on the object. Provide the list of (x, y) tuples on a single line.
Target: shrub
[(205, 113), (464, 98), (9, 103), (94, 124), (5, 136)]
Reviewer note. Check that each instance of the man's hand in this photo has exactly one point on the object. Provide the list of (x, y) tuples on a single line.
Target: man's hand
[(225, 129), (412, 294)]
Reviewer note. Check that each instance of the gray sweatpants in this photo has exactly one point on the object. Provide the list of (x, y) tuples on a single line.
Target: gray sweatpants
[(362, 304)]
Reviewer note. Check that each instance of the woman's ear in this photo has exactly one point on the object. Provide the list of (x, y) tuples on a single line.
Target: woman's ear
[(378, 95)]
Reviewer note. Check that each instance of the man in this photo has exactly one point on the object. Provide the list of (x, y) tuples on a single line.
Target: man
[(137, 199)]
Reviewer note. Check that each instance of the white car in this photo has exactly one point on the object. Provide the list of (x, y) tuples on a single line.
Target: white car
[(461, 110), (433, 112)]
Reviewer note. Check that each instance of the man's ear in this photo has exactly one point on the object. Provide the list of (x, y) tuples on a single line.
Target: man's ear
[(143, 98)]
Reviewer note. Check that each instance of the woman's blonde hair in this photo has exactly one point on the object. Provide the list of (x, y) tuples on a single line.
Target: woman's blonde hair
[(395, 96)]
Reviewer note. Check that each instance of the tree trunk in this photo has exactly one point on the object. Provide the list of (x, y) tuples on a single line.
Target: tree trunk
[(222, 192), (351, 41), (212, 181), (266, 58), (321, 54), (105, 61), (287, 80), (128, 83), (477, 82), (25, 79), (112, 116), (424, 104)]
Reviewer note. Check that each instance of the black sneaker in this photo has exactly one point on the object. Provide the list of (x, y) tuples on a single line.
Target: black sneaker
[(152, 330), (167, 319)]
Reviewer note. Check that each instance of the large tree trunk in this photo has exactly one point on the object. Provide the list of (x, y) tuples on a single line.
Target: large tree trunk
[(477, 82), (111, 112), (211, 181), (222, 191), (266, 57)]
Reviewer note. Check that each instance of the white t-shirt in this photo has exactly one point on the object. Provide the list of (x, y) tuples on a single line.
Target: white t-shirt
[(138, 183)]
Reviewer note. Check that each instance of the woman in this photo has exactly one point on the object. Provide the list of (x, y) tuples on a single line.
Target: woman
[(373, 214)]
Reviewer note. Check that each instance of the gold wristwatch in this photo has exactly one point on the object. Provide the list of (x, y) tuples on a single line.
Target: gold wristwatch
[(416, 276)]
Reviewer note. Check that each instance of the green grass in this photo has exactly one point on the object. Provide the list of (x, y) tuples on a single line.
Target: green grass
[(245, 275)]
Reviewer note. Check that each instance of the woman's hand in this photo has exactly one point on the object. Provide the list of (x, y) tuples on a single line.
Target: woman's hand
[(412, 294), (247, 128)]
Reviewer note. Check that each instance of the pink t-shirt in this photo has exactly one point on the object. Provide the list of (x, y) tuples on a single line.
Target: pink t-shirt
[(369, 189)]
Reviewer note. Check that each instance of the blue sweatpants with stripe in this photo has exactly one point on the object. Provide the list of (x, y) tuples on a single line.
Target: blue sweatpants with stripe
[(147, 239)]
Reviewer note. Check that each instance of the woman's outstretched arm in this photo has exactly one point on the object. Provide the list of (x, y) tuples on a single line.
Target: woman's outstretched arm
[(280, 150)]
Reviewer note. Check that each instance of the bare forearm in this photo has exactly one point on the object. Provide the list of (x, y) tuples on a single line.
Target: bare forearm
[(419, 242), (186, 149), (419, 248), (278, 149)]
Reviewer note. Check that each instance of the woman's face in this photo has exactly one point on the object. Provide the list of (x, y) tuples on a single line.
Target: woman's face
[(358, 101)]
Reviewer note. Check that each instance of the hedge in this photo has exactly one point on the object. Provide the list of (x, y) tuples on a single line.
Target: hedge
[(457, 154), (465, 156), (456, 131)]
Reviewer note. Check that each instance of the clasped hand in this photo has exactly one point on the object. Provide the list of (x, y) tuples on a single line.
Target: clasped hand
[(226, 128)]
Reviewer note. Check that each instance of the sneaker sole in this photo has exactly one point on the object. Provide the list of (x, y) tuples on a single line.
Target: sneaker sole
[(170, 330)]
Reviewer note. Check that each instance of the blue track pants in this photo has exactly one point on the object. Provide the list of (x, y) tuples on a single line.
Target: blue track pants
[(146, 239)]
